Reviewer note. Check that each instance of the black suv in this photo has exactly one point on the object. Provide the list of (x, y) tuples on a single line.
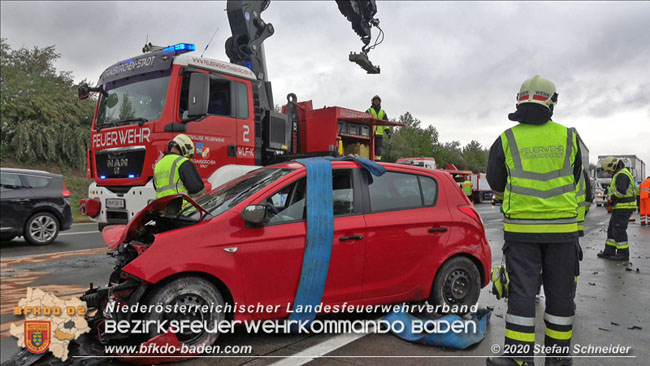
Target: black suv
[(34, 204)]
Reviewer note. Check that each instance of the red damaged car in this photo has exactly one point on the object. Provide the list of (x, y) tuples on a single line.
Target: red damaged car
[(407, 235)]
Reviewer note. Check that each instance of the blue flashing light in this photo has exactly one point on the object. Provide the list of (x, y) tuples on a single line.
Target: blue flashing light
[(249, 65), (180, 48), (131, 176), (102, 177)]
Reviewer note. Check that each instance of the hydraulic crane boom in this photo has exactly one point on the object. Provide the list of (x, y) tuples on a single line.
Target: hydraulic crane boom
[(245, 46)]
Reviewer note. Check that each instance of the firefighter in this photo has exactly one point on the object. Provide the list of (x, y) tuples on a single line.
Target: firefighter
[(534, 168), (467, 188), (380, 131), (622, 199), (175, 173), (644, 195)]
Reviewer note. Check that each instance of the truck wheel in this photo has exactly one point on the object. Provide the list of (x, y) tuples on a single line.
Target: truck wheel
[(457, 282), (189, 290), (41, 229)]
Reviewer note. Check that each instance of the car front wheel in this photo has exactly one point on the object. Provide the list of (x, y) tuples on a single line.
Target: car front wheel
[(458, 282), (41, 229), (195, 293)]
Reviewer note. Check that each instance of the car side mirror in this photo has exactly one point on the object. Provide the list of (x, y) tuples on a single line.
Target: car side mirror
[(83, 91), (254, 214), (199, 94)]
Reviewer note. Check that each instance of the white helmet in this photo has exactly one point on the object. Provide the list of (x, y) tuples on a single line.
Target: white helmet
[(184, 144)]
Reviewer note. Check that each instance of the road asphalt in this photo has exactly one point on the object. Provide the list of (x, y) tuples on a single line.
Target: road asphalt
[(613, 304)]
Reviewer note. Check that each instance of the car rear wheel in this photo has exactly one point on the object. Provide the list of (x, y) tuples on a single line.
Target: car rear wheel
[(458, 282), (41, 229), (189, 291)]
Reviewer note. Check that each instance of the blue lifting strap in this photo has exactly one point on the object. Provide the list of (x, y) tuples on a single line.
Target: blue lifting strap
[(370, 166), (320, 236), (449, 338), (318, 251)]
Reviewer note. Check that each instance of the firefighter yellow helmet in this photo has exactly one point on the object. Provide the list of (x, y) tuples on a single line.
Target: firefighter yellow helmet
[(609, 164), (184, 144), (537, 90)]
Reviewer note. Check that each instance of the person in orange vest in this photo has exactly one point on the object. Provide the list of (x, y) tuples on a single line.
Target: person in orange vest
[(644, 195)]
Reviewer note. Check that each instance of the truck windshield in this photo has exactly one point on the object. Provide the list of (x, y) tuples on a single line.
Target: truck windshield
[(232, 193), (600, 173), (133, 100)]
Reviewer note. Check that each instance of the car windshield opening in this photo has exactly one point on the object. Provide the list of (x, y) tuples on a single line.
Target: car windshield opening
[(232, 193)]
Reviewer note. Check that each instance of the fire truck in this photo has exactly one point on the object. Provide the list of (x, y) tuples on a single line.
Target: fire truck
[(226, 108)]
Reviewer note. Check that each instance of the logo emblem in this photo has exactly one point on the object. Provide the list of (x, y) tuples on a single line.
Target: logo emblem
[(37, 336)]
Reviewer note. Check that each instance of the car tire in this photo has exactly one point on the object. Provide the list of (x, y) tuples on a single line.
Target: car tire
[(41, 229), (458, 282), (188, 290), (7, 237)]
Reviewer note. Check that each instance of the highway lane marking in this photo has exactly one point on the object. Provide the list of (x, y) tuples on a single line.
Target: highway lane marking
[(320, 349), (81, 232)]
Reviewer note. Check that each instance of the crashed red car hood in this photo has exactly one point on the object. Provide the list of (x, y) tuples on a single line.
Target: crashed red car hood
[(115, 234)]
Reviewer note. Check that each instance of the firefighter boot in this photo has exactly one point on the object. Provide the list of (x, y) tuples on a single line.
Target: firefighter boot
[(505, 361), (609, 251), (558, 361), (621, 255)]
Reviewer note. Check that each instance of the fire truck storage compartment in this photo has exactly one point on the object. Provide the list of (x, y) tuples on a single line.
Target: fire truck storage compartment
[(277, 131)]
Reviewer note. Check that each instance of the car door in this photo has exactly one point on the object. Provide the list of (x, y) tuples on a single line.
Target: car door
[(273, 259), (404, 227), (13, 201)]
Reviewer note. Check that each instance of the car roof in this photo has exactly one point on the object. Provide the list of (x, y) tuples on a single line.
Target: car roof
[(27, 171), (340, 164)]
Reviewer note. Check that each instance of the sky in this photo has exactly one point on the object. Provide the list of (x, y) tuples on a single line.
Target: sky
[(454, 65)]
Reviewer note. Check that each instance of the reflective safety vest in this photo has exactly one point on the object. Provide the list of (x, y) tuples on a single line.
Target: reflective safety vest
[(467, 188), (166, 176), (627, 199), (581, 197), (540, 194), (379, 130)]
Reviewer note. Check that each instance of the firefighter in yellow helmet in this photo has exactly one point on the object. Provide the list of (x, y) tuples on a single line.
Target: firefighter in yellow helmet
[(380, 131), (534, 167), (175, 173), (622, 198)]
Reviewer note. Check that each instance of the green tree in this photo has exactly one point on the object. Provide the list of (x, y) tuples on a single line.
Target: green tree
[(410, 140), (475, 156), (450, 153), (41, 116)]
